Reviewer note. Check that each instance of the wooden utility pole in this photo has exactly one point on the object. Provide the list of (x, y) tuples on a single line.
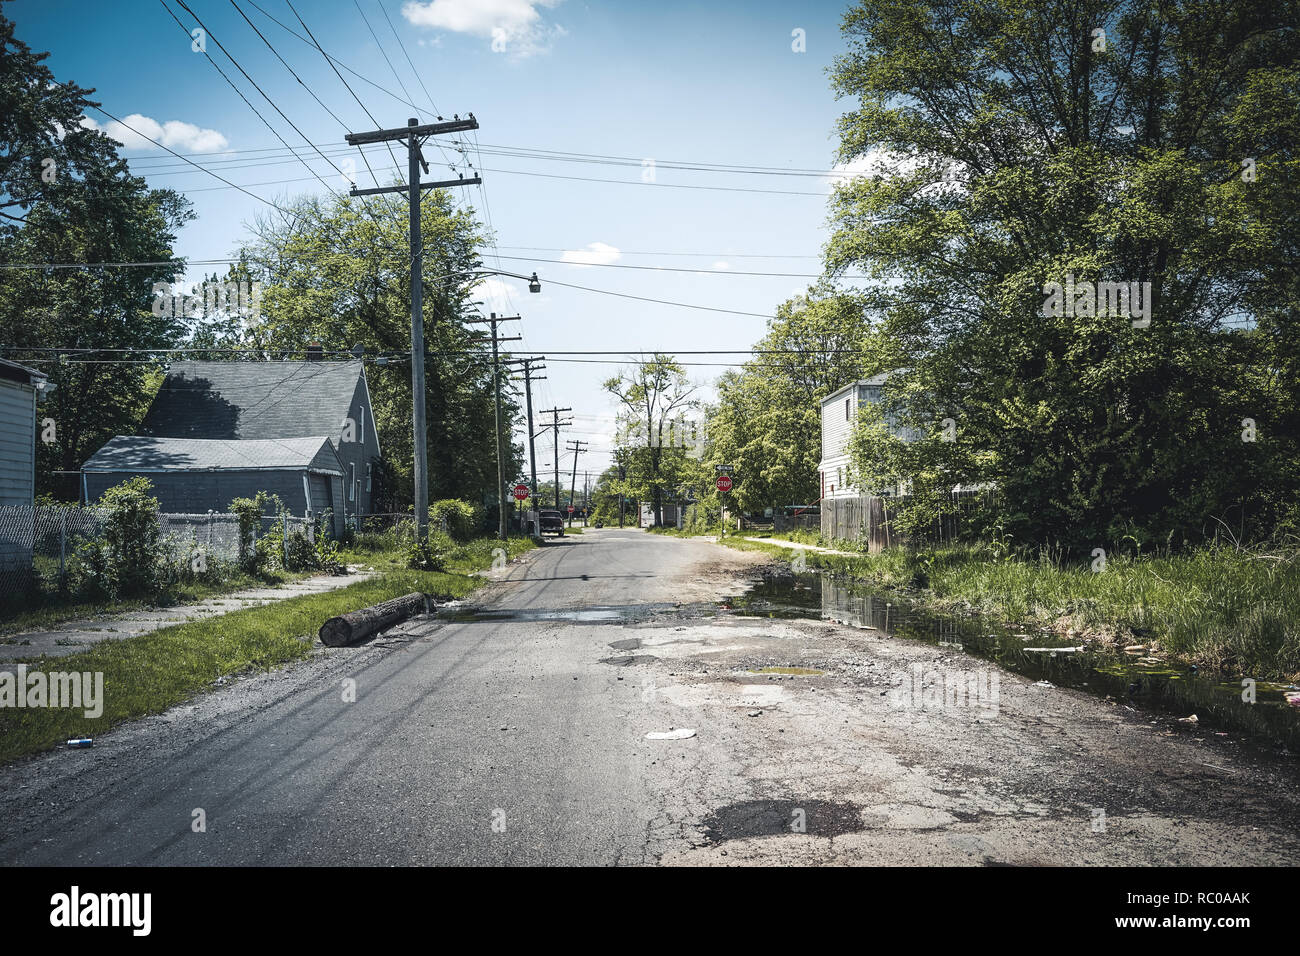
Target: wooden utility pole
[(493, 320), (576, 448), (414, 134), (529, 368), (556, 424)]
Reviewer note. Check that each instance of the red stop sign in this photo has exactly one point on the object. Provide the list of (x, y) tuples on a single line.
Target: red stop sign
[(521, 492), (724, 482), (572, 509)]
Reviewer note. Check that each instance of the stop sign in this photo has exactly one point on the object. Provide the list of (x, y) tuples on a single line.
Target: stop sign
[(572, 509), (724, 482), (521, 492)]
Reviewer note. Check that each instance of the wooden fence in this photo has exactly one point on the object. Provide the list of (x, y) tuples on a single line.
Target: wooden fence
[(870, 519)]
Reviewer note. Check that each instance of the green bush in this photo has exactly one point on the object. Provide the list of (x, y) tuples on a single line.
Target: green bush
[(250, 511), (128, 561), (461, 520), (424, 556)]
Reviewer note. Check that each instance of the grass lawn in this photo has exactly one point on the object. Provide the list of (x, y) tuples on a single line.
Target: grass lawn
[(151, 672), (1232, 611)]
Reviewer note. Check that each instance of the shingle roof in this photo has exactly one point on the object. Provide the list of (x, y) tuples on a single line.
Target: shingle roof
[(252, 400), (20, 373), (127, 453)]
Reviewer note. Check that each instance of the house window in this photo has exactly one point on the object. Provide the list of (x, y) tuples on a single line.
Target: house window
[(352, 482), (362, 418), (846, 409), (368, 469)]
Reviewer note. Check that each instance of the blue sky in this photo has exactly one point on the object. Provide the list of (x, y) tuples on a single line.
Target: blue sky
[(673, 82)]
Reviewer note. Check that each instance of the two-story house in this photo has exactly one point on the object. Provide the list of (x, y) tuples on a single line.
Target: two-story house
[(839, 417)]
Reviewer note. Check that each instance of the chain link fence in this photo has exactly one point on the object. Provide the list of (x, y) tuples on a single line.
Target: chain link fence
[(38, 541)]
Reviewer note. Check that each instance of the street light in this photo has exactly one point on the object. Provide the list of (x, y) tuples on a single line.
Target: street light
[(421, 504)]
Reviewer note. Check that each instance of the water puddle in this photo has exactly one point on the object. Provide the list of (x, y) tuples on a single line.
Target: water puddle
[(1144, 684), (620, 614)]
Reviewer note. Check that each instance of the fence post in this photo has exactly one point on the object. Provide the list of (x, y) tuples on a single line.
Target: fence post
[(63, 547), (284, 537)]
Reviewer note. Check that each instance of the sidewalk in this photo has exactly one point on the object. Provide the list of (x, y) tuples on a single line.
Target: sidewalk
[(73, 636), (804, 547)]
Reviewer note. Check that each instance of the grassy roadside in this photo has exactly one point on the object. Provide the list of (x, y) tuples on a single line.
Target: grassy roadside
[(54, 611), (149, 673), (1223, 609)]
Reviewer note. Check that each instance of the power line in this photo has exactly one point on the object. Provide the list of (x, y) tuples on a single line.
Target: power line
[(264, 120), (330, 61)]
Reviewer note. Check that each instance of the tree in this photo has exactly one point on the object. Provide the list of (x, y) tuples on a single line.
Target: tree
[(1007, 146), (66, 196), (767, 420), (655, 396), (336, 270)]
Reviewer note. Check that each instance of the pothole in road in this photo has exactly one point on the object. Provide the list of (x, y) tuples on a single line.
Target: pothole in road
[(788, 671), (629, 660), (755, 818)]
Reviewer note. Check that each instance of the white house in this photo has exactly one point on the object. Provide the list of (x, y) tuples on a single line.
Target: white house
[(20, 389), (839, 416)]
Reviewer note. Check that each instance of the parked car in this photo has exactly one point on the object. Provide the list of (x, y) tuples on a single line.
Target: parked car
[(552, 522)]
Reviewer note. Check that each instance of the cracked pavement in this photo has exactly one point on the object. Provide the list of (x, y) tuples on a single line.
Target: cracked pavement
[(513, 731)]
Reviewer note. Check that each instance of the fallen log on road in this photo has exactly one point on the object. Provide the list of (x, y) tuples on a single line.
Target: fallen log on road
[(356, 625)]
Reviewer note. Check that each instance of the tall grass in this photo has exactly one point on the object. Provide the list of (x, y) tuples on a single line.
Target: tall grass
[(1231, 609)]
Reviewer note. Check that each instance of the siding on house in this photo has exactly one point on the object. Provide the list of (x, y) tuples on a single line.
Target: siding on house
[(359, 454), (18, 395), (17, 442), (196, 476), (839, 416)]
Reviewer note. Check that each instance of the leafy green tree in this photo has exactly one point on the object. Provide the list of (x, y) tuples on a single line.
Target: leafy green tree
[(1007, 145), (67, 197), (656, 397), (767, 419)]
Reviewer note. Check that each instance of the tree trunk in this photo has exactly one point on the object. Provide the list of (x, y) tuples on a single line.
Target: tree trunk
[(355, 625)]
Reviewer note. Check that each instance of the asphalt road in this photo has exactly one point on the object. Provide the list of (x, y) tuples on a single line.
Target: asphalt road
[(515, 733)]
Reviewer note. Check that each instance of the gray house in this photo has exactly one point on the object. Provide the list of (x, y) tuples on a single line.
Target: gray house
[(235, 402), (20, 389), (190, 475)]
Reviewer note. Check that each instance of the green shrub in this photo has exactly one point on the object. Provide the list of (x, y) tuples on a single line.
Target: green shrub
[(128, 560), (250, 511), (459, 519), (424, 556)]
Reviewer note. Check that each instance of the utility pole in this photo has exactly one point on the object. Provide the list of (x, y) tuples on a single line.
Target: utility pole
[(576, 448), (529, 368), (414, 134), (494, 320), (556, 425)]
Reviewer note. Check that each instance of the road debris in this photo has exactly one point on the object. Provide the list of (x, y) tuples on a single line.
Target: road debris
[(681, 733)]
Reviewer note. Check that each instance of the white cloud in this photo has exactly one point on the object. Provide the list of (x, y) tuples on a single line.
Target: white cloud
[(513, 26), (595, 253), (174, 134), (493, 292)]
